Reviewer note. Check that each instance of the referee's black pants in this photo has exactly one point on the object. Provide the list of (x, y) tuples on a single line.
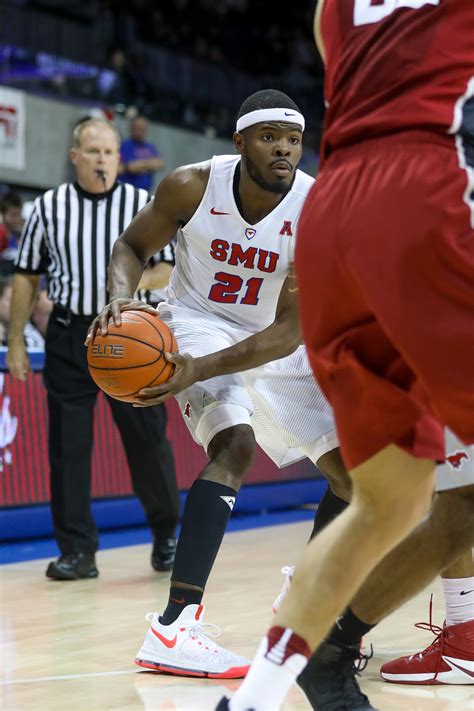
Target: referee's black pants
[(72, 396)]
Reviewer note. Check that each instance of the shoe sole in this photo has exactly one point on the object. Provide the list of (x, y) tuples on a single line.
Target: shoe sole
[(64, 576), (232, 673), (441, 679)]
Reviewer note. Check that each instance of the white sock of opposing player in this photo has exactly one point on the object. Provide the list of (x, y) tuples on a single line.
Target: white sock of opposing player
[(281, 657), (459, 596)]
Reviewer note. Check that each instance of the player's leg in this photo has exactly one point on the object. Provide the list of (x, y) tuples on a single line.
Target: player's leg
[(435, 543), (455, 639), (217, 413), (458, 588), (333, 567), (338, 493), (176, 641), (406, 570), (208, 507), (334, 502), (433, 546), (449, 659)]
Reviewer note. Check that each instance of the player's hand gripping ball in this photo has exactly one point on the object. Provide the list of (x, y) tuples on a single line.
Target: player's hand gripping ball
[(131, 356)]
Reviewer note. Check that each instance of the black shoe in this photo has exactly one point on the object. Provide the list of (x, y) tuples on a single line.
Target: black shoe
[(72, 566), (162, 555), (329, 679)]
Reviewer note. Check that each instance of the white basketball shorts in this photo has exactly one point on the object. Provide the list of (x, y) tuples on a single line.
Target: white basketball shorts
[(458, 469), (281, 400)]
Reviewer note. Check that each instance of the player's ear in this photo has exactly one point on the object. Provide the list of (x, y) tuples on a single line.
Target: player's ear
[(73, 155), (238, 142)]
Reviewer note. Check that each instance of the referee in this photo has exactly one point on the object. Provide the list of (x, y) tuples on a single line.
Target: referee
[(70, 235)]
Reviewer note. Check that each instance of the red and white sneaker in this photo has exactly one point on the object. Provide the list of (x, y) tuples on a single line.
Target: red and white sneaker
[(183, 648), (287, 570), (448, 660)]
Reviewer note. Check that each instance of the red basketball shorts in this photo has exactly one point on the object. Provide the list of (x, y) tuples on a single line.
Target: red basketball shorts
[(385, 266)]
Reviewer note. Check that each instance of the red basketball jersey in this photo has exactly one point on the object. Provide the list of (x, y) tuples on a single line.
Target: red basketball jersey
[(395, 65)]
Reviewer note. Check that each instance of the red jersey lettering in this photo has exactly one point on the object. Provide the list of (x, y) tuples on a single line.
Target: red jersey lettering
[(267, 261), (219, 249), (239, 255), (286, 228)]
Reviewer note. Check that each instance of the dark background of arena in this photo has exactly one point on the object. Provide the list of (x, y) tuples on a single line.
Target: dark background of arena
[(189, 63)]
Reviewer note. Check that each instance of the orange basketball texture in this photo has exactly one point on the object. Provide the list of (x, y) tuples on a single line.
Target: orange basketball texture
[(131, 356)]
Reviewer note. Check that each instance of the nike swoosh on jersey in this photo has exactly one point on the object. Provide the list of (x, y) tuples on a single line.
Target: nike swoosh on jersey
[(466, 592), (213, 211), (170, 643)]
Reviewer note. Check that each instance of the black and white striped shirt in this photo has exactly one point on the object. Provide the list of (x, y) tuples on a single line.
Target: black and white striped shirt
[(70, 235)]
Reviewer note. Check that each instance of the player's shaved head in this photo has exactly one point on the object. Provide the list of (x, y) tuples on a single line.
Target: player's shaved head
[(267, 99)]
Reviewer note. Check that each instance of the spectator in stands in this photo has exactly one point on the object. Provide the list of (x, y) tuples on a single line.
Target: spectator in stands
[(139, 159), (118, 86), (10, 230)]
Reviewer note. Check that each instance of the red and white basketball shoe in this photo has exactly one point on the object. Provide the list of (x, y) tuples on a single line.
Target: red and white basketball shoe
[(288, 571), (448, 660), (183, 648)]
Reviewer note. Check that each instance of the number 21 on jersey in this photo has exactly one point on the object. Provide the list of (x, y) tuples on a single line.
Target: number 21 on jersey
[(366, 12), (228, 287)]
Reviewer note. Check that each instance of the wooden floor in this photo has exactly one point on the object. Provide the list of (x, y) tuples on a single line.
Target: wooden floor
[(70, 646)]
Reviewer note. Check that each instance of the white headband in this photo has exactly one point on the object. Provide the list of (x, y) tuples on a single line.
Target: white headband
[(287, 115)]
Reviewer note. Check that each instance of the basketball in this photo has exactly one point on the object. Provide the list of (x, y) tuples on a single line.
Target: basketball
[(131, 356)]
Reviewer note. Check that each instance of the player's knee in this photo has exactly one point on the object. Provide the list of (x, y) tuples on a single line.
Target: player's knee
[(393, 490), (231, 452), (390, 511)]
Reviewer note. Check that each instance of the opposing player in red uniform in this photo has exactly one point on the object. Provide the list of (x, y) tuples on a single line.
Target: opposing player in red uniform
[(385, 266)]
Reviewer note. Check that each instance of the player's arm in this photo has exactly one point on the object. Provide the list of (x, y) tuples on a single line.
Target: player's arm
[(276, 341), (176, 200)]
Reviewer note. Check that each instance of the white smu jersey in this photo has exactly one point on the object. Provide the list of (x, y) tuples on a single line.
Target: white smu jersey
[(228, 267)]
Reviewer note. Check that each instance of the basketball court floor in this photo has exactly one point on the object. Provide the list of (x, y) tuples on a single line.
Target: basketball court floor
[(70, 646)]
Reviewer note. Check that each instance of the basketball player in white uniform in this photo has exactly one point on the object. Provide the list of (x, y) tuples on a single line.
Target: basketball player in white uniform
[(225, 287), (236, 219)]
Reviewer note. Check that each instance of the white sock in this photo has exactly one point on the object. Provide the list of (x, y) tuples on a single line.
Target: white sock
[(274, 670), (459, 596)]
